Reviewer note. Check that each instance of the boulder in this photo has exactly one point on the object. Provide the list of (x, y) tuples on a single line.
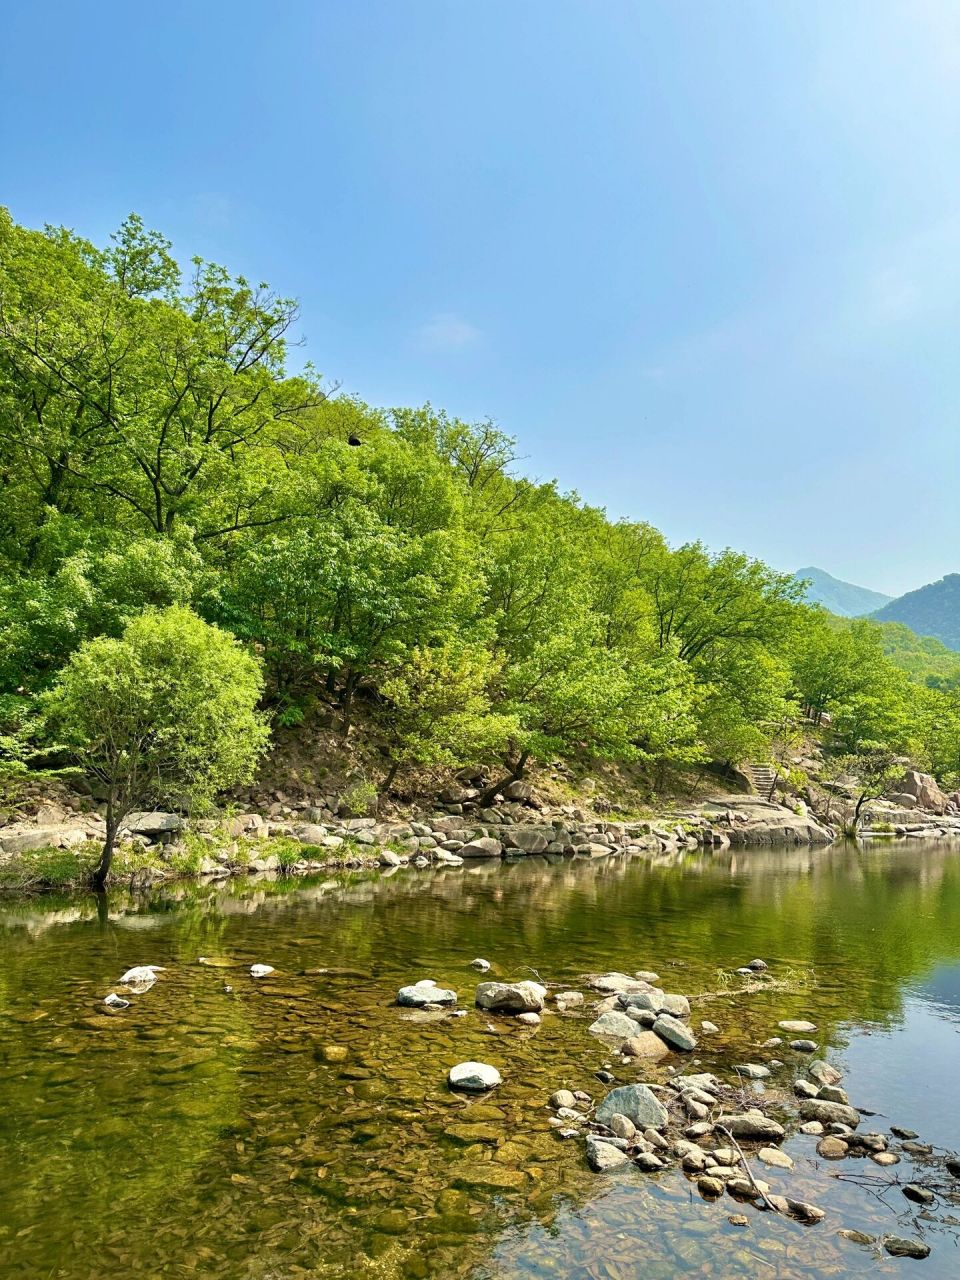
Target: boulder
[(615, 983), (310, 833), (511, 997), (753, 1125), (518, 791), (604, 1156), (425, 992), (473, 1077), (676, 1033), (824, 1073), (644, 1044), (903, 1247), (482, 847), (153, 823), (613, 1024), (637, 1103), (526, 839), (828, 1112), (924, 787)]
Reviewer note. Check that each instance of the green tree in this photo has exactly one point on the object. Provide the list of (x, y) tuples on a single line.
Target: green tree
[(167, 711), (874, 767), (438, 709)]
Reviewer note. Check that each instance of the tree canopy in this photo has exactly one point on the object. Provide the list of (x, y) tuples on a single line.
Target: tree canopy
[(161, 450)]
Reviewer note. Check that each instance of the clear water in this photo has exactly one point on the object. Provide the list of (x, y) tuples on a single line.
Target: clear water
[(300, 1125)]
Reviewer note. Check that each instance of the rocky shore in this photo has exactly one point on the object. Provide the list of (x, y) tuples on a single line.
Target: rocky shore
[(301, 838), (722, 1134)]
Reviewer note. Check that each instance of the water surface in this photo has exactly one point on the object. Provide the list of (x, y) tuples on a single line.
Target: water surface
[(300, 1125)]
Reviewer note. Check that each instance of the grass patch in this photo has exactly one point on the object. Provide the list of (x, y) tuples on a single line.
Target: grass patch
[(49, 869)]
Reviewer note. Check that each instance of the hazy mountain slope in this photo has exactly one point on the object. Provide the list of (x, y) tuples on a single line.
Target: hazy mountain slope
[(933, 610), (844, 598)]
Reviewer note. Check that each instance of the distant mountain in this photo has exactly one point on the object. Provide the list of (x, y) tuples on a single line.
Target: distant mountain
[(933, 610), (844, 598)]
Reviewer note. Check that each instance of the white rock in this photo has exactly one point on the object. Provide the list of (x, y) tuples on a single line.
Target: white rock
[(261, 970), (113, 1001), (424, 992), (480, 964), (473, 1077), (141, 974)]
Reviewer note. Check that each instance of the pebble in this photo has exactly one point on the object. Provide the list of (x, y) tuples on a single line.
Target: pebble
[(261, 970), (824, 1073), (563, 1098), (899, 1132), (797, 1027), (738, 1220), (530, 1019), (709, 1186), (813, 1128), (709, 1028), (113, 1001), (480, 964), (804, 1089), (884, 1157), (804, 1046)]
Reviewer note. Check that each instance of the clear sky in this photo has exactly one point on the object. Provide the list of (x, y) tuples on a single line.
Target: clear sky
[(701, 257)]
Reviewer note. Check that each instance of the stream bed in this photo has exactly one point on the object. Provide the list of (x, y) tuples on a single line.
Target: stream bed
[(300, 1124)]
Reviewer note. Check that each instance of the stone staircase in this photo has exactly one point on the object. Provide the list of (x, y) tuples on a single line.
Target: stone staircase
[(762, 776)]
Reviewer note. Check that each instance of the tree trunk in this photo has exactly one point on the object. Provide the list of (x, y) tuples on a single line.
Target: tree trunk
[(856, 812), (515, 774), (388, 780), (347, 704), (106, 856)]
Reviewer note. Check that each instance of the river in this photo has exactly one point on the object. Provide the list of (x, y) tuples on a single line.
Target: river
[(300, 1125)]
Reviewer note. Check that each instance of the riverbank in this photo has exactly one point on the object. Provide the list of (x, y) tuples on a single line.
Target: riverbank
[(156, 847)]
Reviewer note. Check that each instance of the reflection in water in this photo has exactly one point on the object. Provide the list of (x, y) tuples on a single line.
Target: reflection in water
[(299, 1125)]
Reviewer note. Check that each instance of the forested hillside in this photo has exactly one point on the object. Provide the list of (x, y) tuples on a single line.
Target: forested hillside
[(933, 610), (158, 448)]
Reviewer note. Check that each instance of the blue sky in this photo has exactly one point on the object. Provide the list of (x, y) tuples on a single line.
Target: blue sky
[(701, 257)]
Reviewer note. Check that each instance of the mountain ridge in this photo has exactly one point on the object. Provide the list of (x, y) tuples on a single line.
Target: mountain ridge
[(844, 598)]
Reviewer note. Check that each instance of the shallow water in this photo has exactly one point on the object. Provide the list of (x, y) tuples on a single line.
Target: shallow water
[(300, 1125)]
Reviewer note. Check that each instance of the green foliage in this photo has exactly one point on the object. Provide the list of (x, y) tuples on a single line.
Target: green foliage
[(164, 713), (360, 799), (158, 455)]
